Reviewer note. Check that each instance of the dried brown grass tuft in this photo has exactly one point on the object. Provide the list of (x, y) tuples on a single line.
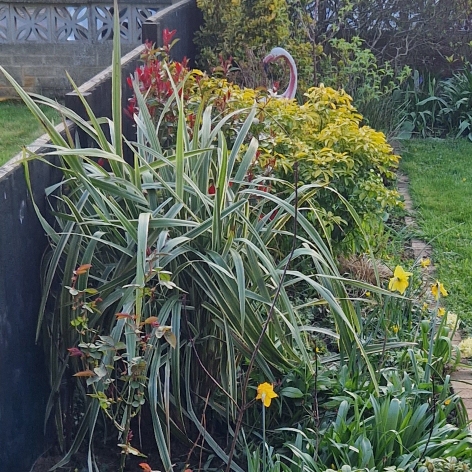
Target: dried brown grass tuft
[(362, 267)]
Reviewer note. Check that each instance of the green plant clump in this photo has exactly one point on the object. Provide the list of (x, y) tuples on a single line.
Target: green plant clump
[(170, 304), (171, 309), (235, 27), (331, 148), (352, 165)]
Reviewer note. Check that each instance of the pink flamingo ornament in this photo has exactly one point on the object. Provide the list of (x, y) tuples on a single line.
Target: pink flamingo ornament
[(277, 53)]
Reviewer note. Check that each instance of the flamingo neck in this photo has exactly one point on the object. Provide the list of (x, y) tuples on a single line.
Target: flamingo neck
[(292, 85)]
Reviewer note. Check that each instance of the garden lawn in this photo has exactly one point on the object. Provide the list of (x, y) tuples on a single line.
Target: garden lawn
[(18, 128), (440, 174)]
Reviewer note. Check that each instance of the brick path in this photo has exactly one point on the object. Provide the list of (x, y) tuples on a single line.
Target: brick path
[(462, 377)]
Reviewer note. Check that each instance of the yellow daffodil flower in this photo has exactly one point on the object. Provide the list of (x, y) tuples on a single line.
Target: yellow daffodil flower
[(265, 393), (395, 329), (437, 289), (399, 281), (425, 262), (441, 311), (447, 401)]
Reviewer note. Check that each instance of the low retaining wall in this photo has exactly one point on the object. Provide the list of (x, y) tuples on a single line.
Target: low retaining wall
[(24, 384), (41, 40)]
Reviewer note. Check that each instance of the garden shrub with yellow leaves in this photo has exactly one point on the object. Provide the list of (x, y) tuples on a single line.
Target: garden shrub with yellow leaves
[(324, 136)]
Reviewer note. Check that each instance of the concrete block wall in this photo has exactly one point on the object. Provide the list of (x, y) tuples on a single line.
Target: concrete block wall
[(42, 67), (42, 40)]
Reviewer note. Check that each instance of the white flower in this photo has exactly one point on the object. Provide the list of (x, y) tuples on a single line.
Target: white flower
[(465, 346), (452, 320)]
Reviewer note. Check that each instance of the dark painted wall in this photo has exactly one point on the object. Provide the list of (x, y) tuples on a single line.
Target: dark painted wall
[(184, 17), (23, 377)]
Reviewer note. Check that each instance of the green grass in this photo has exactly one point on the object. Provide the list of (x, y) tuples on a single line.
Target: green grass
[(440, 174), (18, 128)]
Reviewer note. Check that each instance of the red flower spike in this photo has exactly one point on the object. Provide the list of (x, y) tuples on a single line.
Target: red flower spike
[(211, 190)]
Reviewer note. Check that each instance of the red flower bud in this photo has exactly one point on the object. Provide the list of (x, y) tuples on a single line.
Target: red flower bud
[(75, 352)]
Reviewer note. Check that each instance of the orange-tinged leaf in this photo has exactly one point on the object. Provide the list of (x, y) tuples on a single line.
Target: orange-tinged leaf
[(82, 269), (124, 315), (151, 320), (84, 373), (145, 467)]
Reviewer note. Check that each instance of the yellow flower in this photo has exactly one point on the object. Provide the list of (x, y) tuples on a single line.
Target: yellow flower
[(425, 262), (368, 294), (265, 393), (465, 346), (425, 306), (399, 281), (441, 311), (395, 329), (438, 288), (447, 401)]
